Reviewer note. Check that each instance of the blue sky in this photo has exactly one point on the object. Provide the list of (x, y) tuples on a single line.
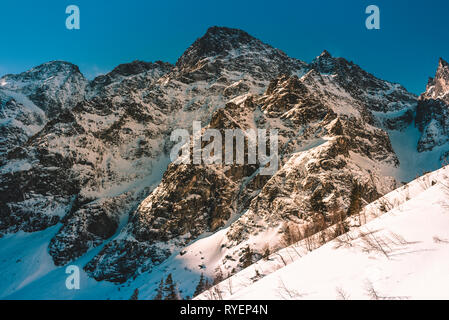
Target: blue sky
[(413, 34)]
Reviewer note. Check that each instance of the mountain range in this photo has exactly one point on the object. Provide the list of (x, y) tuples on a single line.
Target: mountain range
[(85, 170)]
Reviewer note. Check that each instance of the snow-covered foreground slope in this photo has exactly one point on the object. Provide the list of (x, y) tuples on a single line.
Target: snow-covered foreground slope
[(401, 254)]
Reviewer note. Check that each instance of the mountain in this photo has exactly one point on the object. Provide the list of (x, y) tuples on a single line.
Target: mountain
[(52, 86), (237, 52), (112, 146), (330, 141), (86, 164), (28, 100)]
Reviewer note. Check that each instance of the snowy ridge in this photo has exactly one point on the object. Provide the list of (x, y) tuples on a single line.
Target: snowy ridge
[(399, 252)]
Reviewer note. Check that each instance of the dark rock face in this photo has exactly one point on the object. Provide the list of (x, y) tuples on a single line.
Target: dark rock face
[(179, 209), (131, 69), (87, 225), (118, 261)]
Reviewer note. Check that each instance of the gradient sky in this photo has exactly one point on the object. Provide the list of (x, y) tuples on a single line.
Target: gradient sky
[(413, 35)]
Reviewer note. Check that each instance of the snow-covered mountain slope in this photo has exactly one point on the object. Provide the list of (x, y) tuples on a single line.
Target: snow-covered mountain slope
[(20, 118), (400, 254), (52, 86), (94, 182), (28, 100)]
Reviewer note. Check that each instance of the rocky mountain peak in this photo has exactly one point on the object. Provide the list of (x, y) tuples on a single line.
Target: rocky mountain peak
[(325, 55), (433, 108), (52, 86), (438, 86), (442, 73), (216, 33), (43, 72), (234, 50), (430, 83), (442, 79), (324, 63), (134, 68), (217, 40), (442, 63)]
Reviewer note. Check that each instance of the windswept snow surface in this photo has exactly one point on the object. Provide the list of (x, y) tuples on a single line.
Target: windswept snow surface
[(401, 254)]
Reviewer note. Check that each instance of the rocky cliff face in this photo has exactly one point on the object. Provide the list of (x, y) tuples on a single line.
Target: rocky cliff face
[(93, 156)]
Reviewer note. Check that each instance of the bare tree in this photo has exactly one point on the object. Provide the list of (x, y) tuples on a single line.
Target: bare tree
[(437, 239), (287, 293), (341, 294), (218, 275), (291, 234), (385, 205), (229, 286), (214, 293), (375, 295), (371, 292), (399, 240), (373, 243), (387, 244), (282, 258), (343, 241), (424, 181), (266, 252)]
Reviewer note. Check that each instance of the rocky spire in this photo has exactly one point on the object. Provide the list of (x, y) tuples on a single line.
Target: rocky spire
[(236, 51), (442, 78), (438, 87)]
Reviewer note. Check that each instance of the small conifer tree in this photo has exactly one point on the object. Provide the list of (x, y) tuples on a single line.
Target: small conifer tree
[(201, 286)]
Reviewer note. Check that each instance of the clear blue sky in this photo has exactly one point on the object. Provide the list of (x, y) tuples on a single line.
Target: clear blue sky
[(413, 35)]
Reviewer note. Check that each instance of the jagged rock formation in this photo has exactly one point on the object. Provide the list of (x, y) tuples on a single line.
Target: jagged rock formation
[(432, 115)]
